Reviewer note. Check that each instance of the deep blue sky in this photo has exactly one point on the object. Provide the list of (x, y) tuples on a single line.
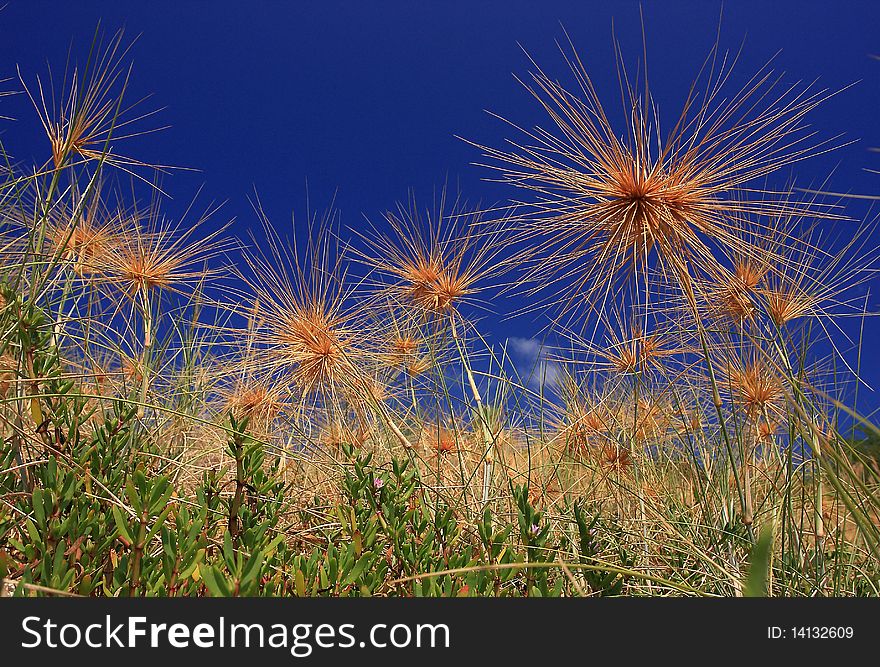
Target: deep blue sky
[(366, 97)]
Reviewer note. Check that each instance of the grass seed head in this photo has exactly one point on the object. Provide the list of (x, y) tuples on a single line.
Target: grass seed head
[(91, 113), (433, 261), (610, 202)]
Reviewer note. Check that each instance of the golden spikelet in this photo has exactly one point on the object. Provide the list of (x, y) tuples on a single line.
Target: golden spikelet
[(615, 458), (585, 420), (811, 279), (607, 200), (91, 114), (150, 252), (260, 402), (86, 237), (306, 331), (433, 262), (626, 347), (438, 438), (753, 384)]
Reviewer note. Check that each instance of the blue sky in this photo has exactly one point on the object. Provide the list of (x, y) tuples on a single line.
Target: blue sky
[(364, 99)]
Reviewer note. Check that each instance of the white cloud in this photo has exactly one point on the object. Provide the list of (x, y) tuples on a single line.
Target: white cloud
[(528, 348), (530, 358)]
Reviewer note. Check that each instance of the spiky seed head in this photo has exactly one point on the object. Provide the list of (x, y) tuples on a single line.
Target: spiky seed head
[(609, 204), (438, 438), (615, 458), (91, 114), (433, 261), (418, 366), (259, 402), (152, 253), (312, 343), (309, 333), (86, 243), (756, 387)]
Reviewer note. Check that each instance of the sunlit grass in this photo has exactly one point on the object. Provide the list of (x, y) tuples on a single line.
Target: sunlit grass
[(311, 412)]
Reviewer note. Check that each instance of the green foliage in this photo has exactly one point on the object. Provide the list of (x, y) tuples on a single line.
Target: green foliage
[(91, 506), (599, 582), (757, 580), (93, 513)]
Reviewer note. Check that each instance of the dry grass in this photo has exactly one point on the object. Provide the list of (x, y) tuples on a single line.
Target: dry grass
[(688, 405)]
